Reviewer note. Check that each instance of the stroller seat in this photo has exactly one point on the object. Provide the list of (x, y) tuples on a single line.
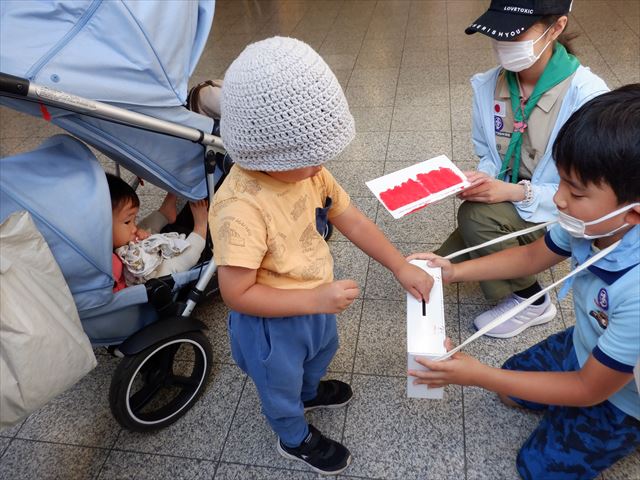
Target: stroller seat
[(63, 186)]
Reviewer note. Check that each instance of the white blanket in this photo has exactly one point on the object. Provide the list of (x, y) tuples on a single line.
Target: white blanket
[(141, 259)]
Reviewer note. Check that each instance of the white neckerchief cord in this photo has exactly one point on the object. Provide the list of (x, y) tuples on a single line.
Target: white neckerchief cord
[(518, 308)]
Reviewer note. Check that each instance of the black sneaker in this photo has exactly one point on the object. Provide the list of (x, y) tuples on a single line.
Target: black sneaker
[(331, 394), (322, 454)]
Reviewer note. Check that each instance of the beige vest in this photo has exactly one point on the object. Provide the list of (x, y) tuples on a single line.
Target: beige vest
[(540, 123)]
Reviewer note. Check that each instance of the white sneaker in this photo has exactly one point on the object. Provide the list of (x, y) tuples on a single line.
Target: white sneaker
[(532, 315)]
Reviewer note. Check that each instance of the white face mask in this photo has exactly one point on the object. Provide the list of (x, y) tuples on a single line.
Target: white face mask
[(576, 227), (518, 56)]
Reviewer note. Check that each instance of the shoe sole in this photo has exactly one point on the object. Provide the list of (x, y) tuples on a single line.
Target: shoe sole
[(315, 469), (333, 405), (549, 315)]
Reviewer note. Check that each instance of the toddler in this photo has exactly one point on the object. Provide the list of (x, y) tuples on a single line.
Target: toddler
[(140, 253), (285, 115)]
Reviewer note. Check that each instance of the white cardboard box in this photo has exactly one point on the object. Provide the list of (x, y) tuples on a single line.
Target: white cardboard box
[(425, 332)]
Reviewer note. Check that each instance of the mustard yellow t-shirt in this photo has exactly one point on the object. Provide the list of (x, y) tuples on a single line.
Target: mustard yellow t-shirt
[(261, 223)]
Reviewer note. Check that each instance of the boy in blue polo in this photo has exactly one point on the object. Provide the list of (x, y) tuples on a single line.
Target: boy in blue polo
[(581, 378)]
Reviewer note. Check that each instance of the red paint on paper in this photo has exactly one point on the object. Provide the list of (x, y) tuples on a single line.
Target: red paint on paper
[(424, 185)]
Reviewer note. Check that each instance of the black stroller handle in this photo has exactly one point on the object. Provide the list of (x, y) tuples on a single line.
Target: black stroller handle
[(14, 85)]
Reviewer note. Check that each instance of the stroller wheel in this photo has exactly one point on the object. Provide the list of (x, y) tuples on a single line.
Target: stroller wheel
[(156, 387)]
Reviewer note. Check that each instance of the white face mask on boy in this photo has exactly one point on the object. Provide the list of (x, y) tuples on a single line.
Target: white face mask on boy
[(519, 55), (576, 227)]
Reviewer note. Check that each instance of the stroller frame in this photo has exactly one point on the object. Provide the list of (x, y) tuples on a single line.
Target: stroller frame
[(145, 350)]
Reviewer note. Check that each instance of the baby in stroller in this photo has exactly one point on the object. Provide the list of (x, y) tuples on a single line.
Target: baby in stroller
[(140, 252)]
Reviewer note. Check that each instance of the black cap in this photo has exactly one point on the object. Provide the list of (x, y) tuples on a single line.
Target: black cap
[(506, 19)]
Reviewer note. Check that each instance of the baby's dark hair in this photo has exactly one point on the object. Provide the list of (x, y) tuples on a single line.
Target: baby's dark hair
[(600, 143), (121, 192)]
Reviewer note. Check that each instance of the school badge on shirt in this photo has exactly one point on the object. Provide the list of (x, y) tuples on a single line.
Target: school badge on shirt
[(602, 303)]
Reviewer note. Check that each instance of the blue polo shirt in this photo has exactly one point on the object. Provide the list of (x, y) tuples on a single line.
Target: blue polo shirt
[(606, 300)]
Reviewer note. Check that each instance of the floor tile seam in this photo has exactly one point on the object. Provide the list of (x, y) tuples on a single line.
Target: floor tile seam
[(383, 167), (163, 455), (115, 441), (377, 208), (233, 417), (622, 18), (360, 477), (256, 34), (104, 462), (326, 34), (462, 413), (606, 60), (420, 130), (381, 375), (359, 49), (395, 94), (6, 448), (66, 444), (268, 467)]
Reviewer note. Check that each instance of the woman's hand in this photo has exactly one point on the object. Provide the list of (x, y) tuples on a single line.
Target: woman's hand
[(486, 189), (460, 369), (433, 260)]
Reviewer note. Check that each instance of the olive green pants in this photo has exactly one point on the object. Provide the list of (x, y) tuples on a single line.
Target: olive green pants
[(480, 222)]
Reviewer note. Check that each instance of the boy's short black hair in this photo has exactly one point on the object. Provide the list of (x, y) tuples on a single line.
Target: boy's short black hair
[(601, 142), (121, 192)]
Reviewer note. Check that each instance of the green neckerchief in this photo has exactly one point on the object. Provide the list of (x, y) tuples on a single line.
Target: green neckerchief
[(560, 66)]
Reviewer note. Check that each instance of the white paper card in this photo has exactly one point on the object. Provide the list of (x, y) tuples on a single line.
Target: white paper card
[(425, 333), (407, 190)]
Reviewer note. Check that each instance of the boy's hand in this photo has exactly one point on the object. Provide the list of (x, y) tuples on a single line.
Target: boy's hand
[(414, 280), (460, 369), (433, 260), (334, 297)]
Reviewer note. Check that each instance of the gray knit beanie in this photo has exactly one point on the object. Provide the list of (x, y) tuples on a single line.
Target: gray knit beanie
[(283, 108)]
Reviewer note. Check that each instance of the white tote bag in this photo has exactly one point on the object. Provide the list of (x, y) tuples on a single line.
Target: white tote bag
[(43, 349)]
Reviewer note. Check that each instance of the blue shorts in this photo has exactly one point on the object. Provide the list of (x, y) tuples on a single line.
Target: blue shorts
[(570, 442)]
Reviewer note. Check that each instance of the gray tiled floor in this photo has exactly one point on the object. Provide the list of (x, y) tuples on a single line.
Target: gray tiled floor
[(405, 67)]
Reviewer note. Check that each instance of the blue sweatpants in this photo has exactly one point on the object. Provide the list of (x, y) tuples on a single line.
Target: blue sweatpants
[(570, 443), (285, 357)]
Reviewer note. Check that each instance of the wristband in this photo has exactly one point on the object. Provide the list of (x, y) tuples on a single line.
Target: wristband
[(528, 191)]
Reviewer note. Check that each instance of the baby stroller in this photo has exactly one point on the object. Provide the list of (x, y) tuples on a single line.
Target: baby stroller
[(166, 358)]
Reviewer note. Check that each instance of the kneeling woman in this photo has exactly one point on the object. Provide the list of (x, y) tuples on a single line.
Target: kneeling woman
[(518, 109)]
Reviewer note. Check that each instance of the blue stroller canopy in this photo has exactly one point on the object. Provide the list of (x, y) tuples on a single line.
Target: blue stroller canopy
[(130, 52), (133, 54), (64, 187)]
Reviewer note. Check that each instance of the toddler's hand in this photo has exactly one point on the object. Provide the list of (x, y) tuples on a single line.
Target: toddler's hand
[(334, 297), (415, 281), (142, 234), (436, 261)]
